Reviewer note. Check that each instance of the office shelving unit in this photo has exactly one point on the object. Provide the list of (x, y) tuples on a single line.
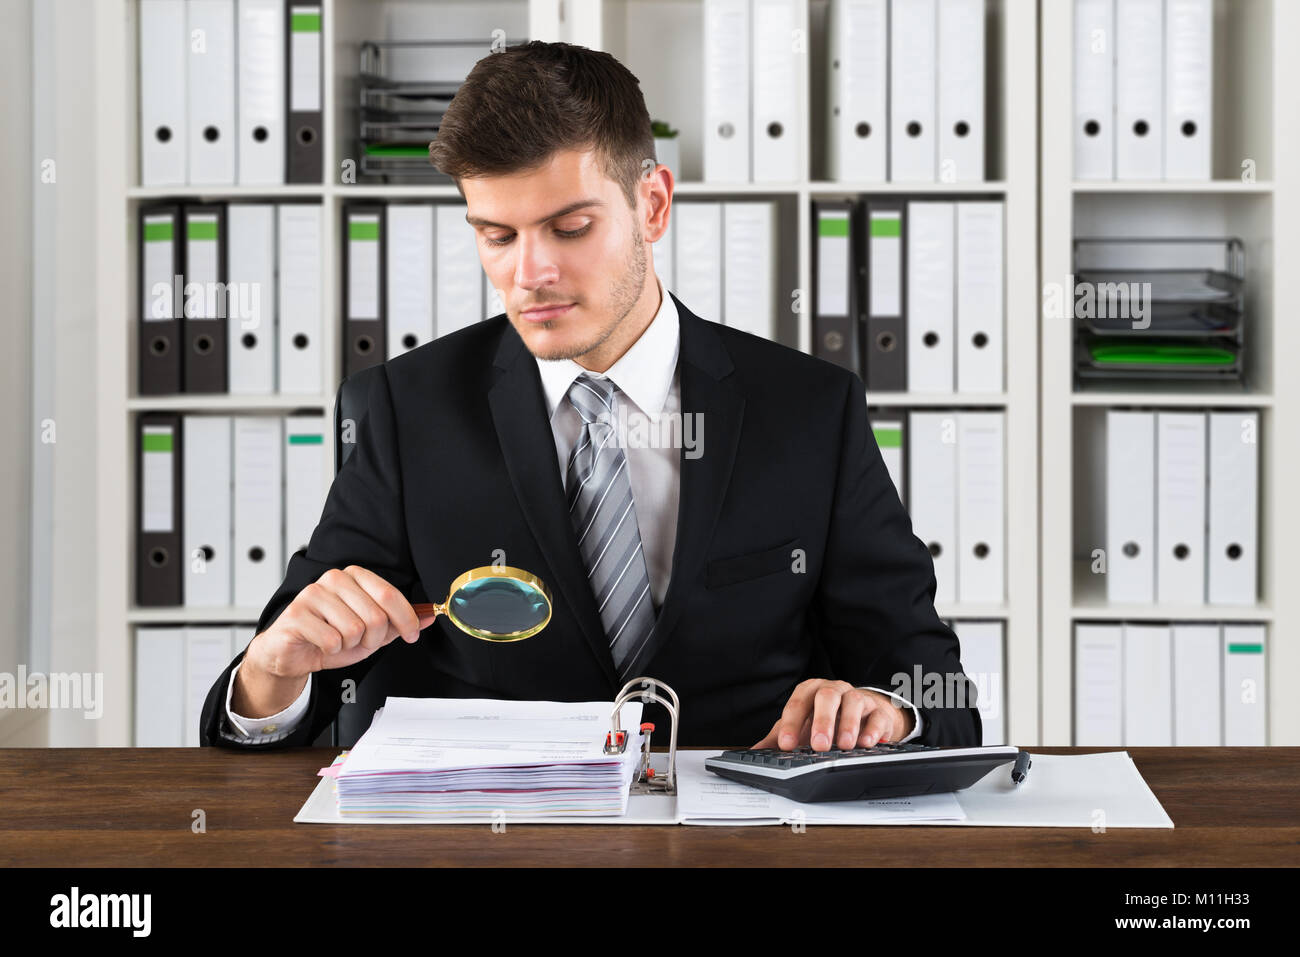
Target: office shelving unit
[(1255, 131)]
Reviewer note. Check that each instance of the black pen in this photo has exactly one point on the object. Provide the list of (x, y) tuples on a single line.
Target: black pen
[(1021, 770)]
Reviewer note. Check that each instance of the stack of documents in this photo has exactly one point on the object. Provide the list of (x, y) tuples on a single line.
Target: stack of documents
[(438, 757)]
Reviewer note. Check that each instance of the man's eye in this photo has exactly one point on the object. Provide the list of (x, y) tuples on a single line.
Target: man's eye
[(570, 234)]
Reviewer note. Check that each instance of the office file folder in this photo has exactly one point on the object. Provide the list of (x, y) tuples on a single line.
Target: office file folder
[(211, 90), (207, 652), (726, 82), (306, 461), (161, 265), (250, 260), (261, 104), (835, 320), (299, 298), (1148, 685), (885, 346), (459, 277), (982, 661), (1189, 88), (1198, 696), (304, 149), (364, 269), (858, 90), (699, 258), (888, 427), (208, 537), (749, 267), (258, 508), (158, 567), (207, 303), (160, 689), (1244, 678), (1098, 685), (913, 56), (1094, 89), (164, 129), (1130, 506), (1180, 507), (780, 90), (408, 255), (980, 312), (1232, 535), (931, 262), (1139, 89), (960, 127), (932, 493), (981, 507)]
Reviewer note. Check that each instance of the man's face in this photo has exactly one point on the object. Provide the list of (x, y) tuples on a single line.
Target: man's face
[(560, 236)]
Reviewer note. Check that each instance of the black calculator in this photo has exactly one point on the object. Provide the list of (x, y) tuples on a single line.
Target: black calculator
[(882, 771)]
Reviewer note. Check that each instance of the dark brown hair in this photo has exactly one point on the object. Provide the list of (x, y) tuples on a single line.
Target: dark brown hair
[(519, 106)]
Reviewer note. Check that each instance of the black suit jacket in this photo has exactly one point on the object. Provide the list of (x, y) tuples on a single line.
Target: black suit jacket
[(794, 557)]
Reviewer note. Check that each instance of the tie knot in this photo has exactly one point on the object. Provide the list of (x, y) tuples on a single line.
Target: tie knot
[(593, 398)]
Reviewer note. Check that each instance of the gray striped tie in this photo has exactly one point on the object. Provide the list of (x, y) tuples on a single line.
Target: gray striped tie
[(600, 507)]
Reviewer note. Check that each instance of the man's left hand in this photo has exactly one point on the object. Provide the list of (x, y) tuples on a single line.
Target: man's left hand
[(823, 713)]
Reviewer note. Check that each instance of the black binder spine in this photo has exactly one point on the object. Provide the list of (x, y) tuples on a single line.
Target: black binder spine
[(158, 345), (885, 343), (304, 149), (835, 334), (207, 345), (158, 509), (365, 338)]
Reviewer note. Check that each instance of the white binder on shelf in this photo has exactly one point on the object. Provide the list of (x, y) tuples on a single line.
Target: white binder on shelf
[(306, 461), (1198, 687), (981, 507), (889, 431), (159, 687), (1148, 686), (261, 61), (211, 87), (410, 277), (207, 652), (250, 266), (780, 95), (749, 267), (857, 121), (980, 280), (299, 298), (207, 539), (960, 126), (1245, 708), (1130, 506), (932, 493), (1098, 685), (459, 278), (1180, 507), (726, 78), (983, 662), (931, 261), (1189, 88), (1231, 548), (913, 69), (258, 508), (699, 258), (1094, 89), (1139, 89), (164, 130)]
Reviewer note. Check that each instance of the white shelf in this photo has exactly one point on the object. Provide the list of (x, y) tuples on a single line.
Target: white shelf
[(227, 403), (1090, 602), (962, 399), (1162, 186), (193, 616)]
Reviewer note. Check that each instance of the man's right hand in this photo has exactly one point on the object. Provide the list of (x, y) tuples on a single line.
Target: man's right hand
[(341, 618)]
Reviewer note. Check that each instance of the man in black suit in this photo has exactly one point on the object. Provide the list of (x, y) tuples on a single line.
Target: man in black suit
[(760, 563)]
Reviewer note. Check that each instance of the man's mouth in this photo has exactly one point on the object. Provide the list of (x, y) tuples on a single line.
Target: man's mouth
[(546, 312)]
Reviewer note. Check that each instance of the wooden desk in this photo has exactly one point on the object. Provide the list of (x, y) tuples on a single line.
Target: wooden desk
[(111, 807)]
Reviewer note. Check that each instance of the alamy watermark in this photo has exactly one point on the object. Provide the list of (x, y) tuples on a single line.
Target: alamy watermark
[(74, 690)]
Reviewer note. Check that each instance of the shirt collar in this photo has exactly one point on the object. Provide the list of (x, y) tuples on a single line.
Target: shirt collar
[(644, 372)]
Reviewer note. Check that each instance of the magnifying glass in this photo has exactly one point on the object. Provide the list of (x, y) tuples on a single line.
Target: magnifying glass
[(495, 603)]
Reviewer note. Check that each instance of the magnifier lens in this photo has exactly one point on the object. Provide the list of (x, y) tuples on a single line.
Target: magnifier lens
[(499, 607)]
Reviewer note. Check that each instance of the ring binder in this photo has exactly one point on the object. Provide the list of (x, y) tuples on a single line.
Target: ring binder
[(616, 739)]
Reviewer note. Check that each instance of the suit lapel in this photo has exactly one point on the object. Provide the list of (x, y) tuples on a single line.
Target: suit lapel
[(518, 409)]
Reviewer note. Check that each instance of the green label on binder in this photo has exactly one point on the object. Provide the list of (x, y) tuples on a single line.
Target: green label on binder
[(889, 438), (362, 230), (1245, 649), (886, 226), (306, 440), (157, 232), (306, 23), (198, 229), (833, 226), (156, 442)]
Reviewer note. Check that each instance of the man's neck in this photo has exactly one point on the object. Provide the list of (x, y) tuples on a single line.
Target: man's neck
[(636, 323)]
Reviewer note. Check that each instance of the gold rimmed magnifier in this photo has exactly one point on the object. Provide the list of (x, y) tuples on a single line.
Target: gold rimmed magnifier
[(495, 603)]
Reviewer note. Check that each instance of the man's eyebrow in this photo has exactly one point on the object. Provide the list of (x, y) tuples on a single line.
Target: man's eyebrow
[(571, 208)]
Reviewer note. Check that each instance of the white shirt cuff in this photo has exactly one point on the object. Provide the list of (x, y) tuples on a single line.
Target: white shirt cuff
[(277, 725), (916, 731)]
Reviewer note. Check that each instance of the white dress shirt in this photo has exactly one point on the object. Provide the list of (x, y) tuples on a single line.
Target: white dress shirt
[(648, 385)]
